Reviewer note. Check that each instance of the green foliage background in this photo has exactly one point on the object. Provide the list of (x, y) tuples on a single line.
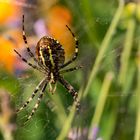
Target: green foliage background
[(109, 83)]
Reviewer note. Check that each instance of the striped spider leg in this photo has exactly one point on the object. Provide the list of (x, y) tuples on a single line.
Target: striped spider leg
[(40, 96), (50, 58), (39, 87), (70, 69), (71, 90), (26, 44), (28, 63), (76, 49), (25, 41)]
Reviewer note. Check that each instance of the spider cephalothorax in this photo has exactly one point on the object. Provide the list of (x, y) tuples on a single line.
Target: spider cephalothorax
[(49, 59)]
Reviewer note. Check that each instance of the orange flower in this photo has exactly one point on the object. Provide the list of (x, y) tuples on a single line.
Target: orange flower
[(8, 10), (6, 54), (8, 57), (58, 18)]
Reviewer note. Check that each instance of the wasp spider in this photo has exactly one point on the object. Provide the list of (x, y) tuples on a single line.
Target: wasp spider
[(49, 59)]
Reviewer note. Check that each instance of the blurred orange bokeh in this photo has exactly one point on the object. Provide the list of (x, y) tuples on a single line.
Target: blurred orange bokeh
[(8, 11), (6, 54), (57, 19)]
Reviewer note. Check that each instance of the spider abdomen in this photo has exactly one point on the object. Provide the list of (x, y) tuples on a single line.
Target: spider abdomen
[(50, 53)]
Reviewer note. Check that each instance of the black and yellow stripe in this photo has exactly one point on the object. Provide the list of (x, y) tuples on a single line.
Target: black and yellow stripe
[(50, 60), (30, 64), (50, 53), (71, 90), (38, 102), (76, 49), (25, 40), (39, 87)]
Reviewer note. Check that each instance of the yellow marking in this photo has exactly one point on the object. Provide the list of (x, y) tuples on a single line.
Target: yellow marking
[(36, 105), (52, 76), (76, 50), (51, 58), (20, 108), (30, 99), (29, 117), (42, 56)]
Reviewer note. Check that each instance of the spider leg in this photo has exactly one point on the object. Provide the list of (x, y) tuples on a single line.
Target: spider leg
[(52, 89), (38, 102), (76, 49), (25, 41), (40, 85), (26, 44), (71, 90), (31, 65), (70, 69)]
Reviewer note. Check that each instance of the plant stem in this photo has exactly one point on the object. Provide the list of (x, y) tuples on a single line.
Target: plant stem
[(66, 125), (101, 102), (126, 52), (104, 46), (86, 6), (137, 129), (68, 122)]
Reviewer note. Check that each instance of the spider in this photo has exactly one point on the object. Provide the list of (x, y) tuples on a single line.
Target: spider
[(49, 59)]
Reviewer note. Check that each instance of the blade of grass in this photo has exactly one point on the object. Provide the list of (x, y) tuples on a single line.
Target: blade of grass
[(101, 103), (67, 125), (126, 52), (104, 46), (68, 122), (60, 111), (137, 129), (86, 6)]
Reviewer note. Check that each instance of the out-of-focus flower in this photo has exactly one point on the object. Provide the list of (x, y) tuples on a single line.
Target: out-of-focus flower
[(78, 133), (6, 113), (131, 10), (40, 28), (9, 60), (7, 57), (94, 132), (57, 19), (8, 10), (82, 134)]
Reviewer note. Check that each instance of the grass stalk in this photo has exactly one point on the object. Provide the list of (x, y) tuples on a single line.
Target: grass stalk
[(86, 6), (104, 46), (137, 129), (101, 102), (60, 111), (68, 122), (126, 52)]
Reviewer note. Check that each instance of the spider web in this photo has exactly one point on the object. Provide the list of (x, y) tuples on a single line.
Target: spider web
[(45, 123)]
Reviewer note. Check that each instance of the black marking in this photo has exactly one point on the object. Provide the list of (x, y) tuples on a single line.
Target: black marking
[(33, 66), (71, 69), (48, 48), (26, 43), (42, 83), (76, 49), (71, 90), (38, 102), (50, 59)]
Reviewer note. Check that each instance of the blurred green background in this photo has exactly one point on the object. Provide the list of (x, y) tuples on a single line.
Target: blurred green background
[(108, 84)]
